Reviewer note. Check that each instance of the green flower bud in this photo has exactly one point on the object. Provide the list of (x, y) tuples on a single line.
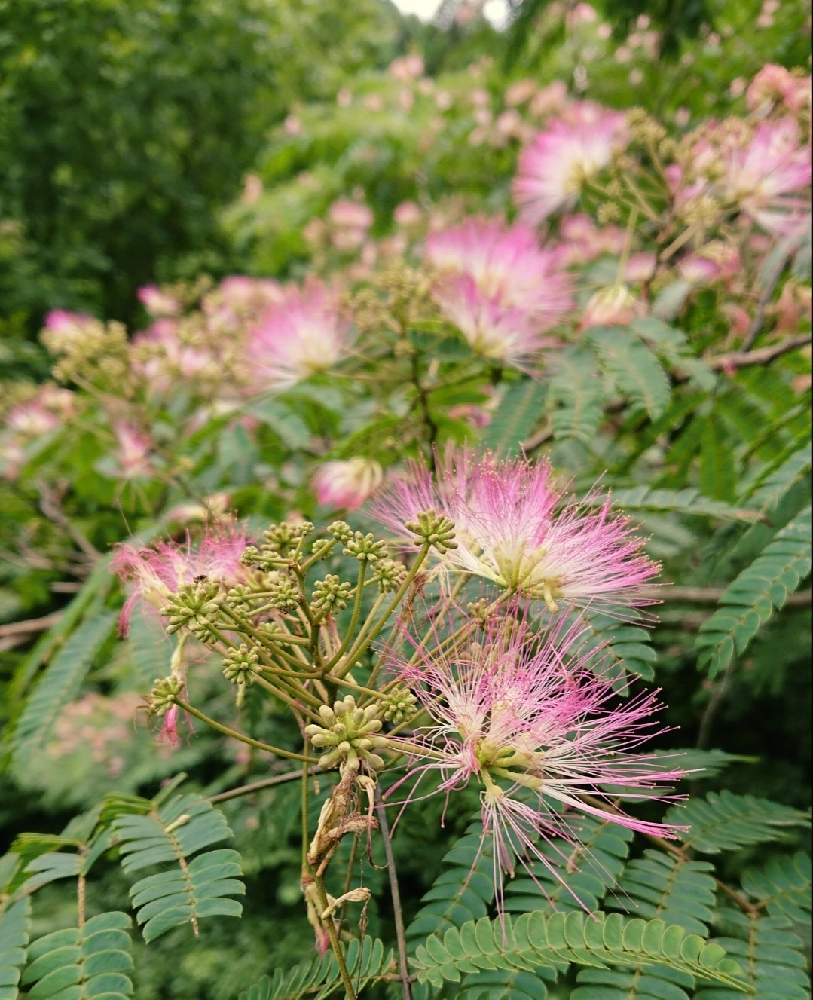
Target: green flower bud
[(286, 536), (389, 574), (283, 592), (162, 697), (341, 531), (330, 596), (434, 529), (398, 705), (365, 548), (194, 607), (240, 665), (348, 735)]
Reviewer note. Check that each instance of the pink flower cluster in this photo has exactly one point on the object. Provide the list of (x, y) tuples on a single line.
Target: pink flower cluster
[(533, 723), (347, 484), (498, 287), (515, 528), (44, 411), (158, 571), (571, 149), (303, 333)]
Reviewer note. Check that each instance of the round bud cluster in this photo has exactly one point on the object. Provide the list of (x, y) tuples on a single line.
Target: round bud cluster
[(433, 529), (479, 610), (341, 531), (348, 734), (243, 597), (194, 607), (608, 213), (330, 596), (398, 705), (95, 353), (271, 632), (702, 212), (240, 664), (262, 557), (287, 536), (165, 691), (389, 574), (365, 548), (282, 592)]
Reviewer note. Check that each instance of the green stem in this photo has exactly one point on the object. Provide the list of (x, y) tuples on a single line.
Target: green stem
[(285, 697), (405, 746), (335, 944), (354, 619), (235, 735), (369, 632), (303, 805)]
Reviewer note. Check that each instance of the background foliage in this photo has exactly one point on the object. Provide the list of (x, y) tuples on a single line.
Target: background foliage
[(160, 141)]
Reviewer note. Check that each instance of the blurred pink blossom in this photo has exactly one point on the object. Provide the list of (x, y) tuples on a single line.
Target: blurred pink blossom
[(347, 484), (571, 149)]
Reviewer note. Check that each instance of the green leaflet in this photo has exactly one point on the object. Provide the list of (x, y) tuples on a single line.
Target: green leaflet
[(770, 953), (578, 873), (674, 889), (516, 416), (536, 939), (782, 886), (576, 400), (320, 977), (198, 884), (753, 596), (59, 683), (689, 502), (463, 891), (633, 369), (80, 963), (502, 985), (723, 821), (14, 931)]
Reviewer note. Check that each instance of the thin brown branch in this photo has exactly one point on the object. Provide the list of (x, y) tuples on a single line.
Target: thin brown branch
[(30, 625), (259, 786), (738, 898), (762, 356), (400, 935)]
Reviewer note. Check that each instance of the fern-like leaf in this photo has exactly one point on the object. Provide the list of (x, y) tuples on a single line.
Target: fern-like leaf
[(14, 930), (198, 884), (782, 887), (624, 646), (723, 821), (672, 888), (585, 868), (320, 977), (756, 593), (575, 396), (80, 963), (775, 481), (463, 891), (673, 346), (770, 954), (59, 683), (689, 502), (654, 983), (553, 940), (633, 368), (502, 985), (516, 416)]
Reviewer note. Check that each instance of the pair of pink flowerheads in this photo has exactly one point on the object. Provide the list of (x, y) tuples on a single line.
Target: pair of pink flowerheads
[(526, 712)]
